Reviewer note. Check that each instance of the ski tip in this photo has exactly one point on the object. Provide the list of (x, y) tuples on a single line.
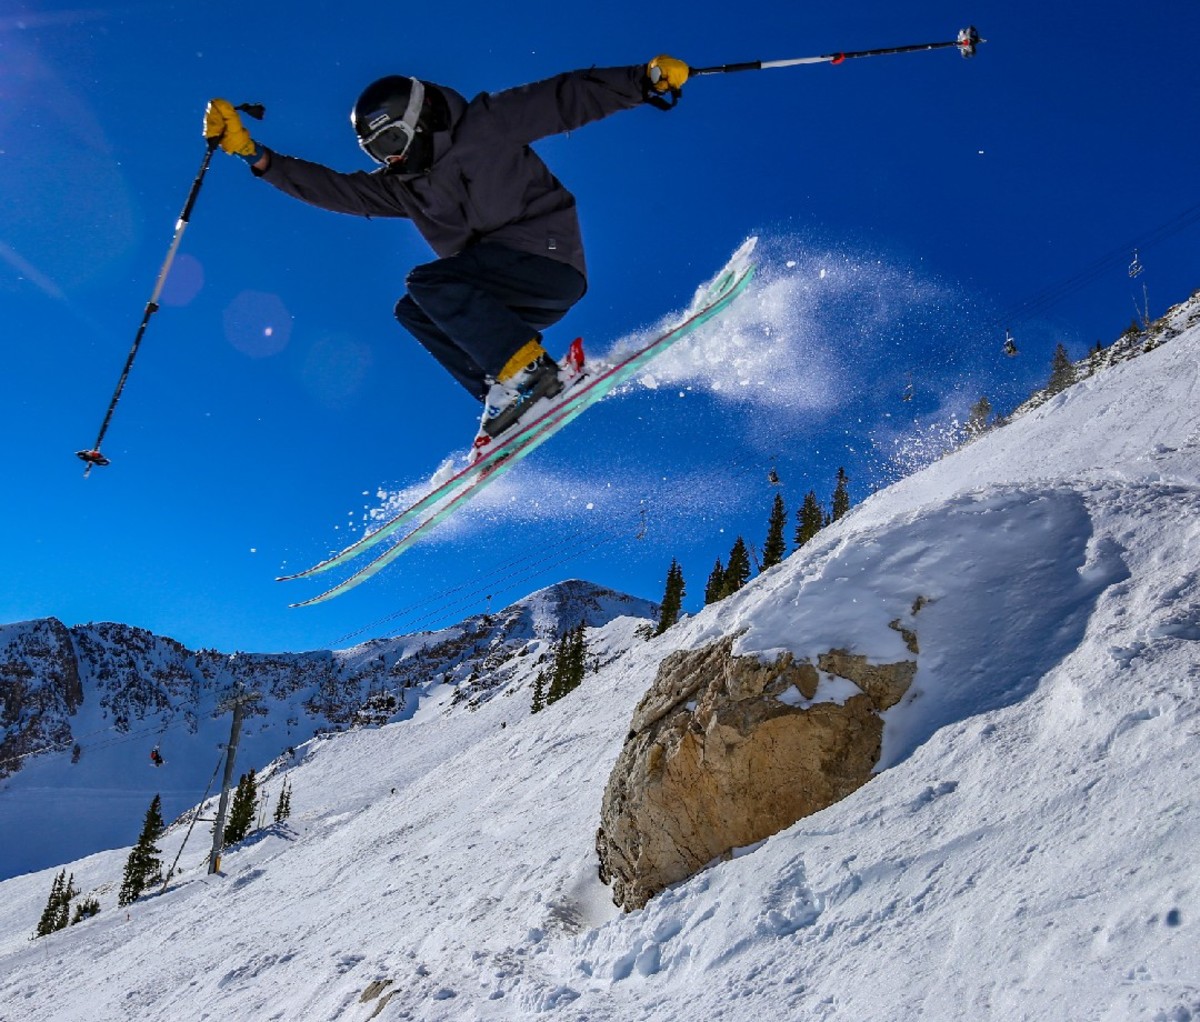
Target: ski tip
[(312, 600)]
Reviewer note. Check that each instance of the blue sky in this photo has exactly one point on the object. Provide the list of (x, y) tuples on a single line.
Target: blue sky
[(908, 207)]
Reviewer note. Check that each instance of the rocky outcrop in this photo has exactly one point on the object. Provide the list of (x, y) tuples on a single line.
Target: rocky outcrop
[(724, 751), (39, 690)]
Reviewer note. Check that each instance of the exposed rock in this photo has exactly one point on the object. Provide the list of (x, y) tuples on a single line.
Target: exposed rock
[(725, 751), (39, 690)]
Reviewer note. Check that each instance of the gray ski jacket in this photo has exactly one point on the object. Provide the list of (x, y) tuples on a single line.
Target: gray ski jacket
[(485, 183)]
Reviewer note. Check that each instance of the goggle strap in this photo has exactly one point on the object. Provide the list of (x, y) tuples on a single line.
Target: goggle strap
[(416, 99)]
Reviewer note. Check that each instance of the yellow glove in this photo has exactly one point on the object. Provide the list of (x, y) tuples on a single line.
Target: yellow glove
[(667, 73), (221, 121)]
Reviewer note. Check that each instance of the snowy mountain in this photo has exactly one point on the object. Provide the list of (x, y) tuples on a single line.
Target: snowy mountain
[(81, 708), (1025, 850)]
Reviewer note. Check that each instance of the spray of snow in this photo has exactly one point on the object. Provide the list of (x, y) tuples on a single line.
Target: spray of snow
[(822, 340), (785, 348)]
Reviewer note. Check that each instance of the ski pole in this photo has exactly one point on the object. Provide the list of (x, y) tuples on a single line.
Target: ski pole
[(966, 42), (93, 457)]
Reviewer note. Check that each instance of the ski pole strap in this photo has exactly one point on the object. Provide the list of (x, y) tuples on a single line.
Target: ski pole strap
[(659, 99)]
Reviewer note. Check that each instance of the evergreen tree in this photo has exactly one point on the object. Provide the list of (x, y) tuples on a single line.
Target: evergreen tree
[(737, 571), (539, 693), (841, 495), (556, 690), (578, 658), (283, 808), (241, 813), (775, 546), (1062, 372), (712, 591), (672, 601), (63, 916), (570, 661), (54, 907), (85, 910), (143, 867), (978, 416), (810, 519)]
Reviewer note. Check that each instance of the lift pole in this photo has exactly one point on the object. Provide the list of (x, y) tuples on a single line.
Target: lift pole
[(235, 732)]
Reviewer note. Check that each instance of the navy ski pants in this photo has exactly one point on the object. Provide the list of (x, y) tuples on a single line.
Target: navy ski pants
[(474, 311)]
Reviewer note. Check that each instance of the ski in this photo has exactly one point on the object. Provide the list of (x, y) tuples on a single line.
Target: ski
[(483, 465), (592, 387), (462, 495)]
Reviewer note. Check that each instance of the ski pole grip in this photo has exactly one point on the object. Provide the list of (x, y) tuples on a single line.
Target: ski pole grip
[(721, 69)]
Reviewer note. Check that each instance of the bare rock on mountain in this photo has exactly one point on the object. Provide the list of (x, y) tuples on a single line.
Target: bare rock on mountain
[(39, 690), (724, 751)]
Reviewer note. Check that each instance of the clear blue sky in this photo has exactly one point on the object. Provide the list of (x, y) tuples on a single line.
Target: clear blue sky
[(946, 192)]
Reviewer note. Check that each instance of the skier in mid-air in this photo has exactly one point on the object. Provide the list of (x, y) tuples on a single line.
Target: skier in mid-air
[(506, 232)]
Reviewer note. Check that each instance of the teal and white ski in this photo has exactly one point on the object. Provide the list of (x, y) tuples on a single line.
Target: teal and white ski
[(592, 387)]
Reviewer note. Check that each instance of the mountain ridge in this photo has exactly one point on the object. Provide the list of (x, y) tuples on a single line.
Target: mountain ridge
[(107, 693)]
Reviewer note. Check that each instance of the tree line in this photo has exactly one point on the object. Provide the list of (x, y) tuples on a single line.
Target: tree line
[(568, 664), (728, 576)]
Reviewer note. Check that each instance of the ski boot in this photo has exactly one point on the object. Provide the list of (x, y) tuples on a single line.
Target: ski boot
[(508, 402)]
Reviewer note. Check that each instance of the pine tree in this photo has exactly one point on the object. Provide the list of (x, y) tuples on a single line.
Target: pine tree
[(241, 813), (143, 867), (539, 693), (1062, 372), (578, 659), (977, 417), (737, 571), (283, 808), (85, 910), (672, 601), (63, 917), (558, 670), (810, 519), (841, 495), (775, 547), (712, 591), (570, 661), (50, 914)]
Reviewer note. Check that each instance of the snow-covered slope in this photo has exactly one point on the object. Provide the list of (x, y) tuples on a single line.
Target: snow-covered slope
[(1026, 851)]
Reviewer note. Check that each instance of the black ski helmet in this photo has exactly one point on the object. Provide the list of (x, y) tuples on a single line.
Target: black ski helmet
[(394, 119)]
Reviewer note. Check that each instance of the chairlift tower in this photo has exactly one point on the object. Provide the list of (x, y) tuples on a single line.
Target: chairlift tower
[(239, 699), (1135, 270)]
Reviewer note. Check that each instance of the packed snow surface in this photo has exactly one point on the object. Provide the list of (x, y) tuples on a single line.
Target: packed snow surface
[(1027, 849)]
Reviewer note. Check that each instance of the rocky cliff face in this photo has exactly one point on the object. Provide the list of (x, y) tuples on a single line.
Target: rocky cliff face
[(40, 690), (724, 751)]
